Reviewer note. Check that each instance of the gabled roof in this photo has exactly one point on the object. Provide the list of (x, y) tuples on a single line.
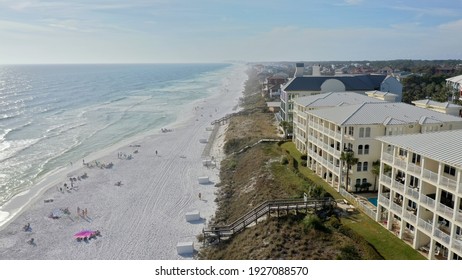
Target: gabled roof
[(431, 103), (440, 146), (332, 99), (351, 82), (383, 113)]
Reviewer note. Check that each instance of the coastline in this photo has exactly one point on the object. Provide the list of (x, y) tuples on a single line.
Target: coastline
[(150, 203)]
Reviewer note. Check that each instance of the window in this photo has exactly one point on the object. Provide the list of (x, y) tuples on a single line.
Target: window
[(361, 132), (402, 152), (358, 182), (415, 158), (368, 132), (364, 181), (360, 149), (351, 130), (366, 149), (358, 166), (365, 166), (449, 170)]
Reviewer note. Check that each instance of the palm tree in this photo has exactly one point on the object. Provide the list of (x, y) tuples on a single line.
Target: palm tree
[(376, 171), (348, 159)]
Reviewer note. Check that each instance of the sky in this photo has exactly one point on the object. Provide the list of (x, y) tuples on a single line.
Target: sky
[(188, 31)]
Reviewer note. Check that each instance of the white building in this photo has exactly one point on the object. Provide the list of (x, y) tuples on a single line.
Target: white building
[(455, 83), (442, 107), (385, 96), (355, 128), (310, 85), (320, 101), (420, 191)]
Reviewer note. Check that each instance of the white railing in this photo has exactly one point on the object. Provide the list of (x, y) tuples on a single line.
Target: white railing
[(359, 204), (412, 192), (425, 225), (398, 185), (387, 158), (427, 201), (450, 183), (457, 244), (459, 216), (385, 179), (401, 163), (384, 200), (410, 216), (448, 211), (414, 168), (430, 175), (397, 208), (443, 236)]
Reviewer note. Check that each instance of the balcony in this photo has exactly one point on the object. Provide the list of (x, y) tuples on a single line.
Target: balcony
[(399, 186), (385, 179), (385, 201), (410, 216), (459, 216), (414, 168), (427, 201), (449, 183), (412, 192), (445, 210), (386, 157), (443, 236), (397, 208), (430, 175), (425, 225), (457, 244), (400, 163)]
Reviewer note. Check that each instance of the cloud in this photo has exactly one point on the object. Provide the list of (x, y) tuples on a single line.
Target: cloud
[(353, 2), (455, 26)]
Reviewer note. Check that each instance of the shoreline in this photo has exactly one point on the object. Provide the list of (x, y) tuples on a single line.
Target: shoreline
[(189, 126)]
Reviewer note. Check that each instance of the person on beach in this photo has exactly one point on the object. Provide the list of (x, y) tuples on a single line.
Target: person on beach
[(156, 152), (78, 211), (200, 196)]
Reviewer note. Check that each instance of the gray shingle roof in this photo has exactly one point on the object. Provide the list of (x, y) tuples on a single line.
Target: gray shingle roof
[(440, 146), (432, 103), (351, 82), (380, 113)]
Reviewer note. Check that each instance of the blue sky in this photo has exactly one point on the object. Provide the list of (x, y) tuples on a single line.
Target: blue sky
[(163, 31)]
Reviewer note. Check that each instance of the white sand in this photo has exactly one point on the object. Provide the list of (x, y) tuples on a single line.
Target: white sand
[(144, 218)]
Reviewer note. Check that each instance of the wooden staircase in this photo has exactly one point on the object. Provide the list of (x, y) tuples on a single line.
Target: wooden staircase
[(266, 208)]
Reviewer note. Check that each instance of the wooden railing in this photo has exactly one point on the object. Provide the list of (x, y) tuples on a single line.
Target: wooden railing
[(266, 208)]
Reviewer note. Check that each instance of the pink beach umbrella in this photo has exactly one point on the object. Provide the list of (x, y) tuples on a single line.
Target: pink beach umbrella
[(84, 233)]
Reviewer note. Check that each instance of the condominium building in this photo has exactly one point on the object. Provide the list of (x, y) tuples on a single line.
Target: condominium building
[(320, 101), (455, 84), (355, 128), (420, 191), (310, 85)]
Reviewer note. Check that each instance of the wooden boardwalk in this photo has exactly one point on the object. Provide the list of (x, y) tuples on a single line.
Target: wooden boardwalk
[(266, 208)]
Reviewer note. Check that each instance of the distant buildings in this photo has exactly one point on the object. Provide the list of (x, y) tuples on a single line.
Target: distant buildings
[(309, 85)]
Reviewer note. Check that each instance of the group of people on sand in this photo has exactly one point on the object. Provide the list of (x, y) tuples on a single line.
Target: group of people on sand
[(83, 213)]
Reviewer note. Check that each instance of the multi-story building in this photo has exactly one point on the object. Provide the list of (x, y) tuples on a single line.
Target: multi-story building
[(355, 128), (420, 191), (310, 85), (320, 101), (455, 84)]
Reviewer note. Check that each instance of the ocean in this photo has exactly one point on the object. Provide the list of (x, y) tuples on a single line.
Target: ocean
[(54, 115)]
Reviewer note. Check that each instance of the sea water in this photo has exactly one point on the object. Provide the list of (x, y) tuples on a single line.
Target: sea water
[(54, 115)]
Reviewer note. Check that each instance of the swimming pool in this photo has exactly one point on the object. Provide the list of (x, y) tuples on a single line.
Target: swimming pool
[(373, 200)]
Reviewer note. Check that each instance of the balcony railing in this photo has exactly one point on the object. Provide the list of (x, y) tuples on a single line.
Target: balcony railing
[(397, 208), (457, 245), (430, 175), (412, 192), (401, 163), (384, 200), (448, 211), (450, 183), (410, 216), (425, 225), (398, 185), (414, 168), (443, 236), (387, 158), (459, 216), (427, 201), (385, 179)]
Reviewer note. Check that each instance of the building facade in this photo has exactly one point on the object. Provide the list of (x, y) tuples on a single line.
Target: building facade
[(355, 129), (420, 191)]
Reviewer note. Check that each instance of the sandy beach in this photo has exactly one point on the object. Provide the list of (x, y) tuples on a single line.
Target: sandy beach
[(138, 204)]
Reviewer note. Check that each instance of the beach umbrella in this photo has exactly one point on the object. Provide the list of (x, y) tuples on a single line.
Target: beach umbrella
[(84, 233)]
